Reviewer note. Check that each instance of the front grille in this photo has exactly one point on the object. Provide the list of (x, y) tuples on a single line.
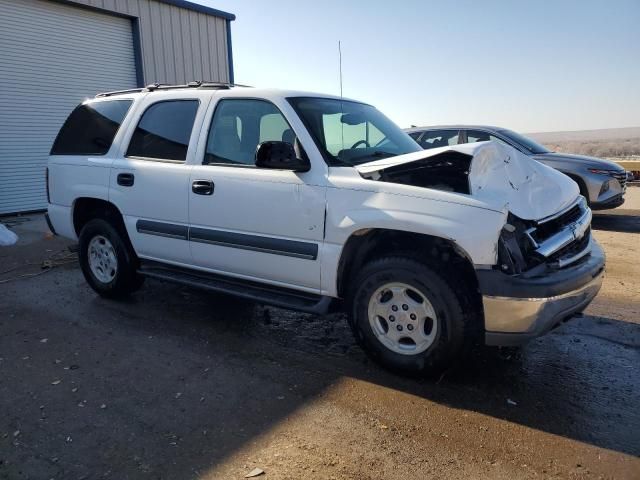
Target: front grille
[(547, 229), (562, 238), (573, 248)]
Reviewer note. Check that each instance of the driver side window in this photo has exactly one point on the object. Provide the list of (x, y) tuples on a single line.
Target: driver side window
[(239, 126)]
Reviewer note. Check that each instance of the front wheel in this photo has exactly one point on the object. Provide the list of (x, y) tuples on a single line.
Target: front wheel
[(408, 317), (107, 261)]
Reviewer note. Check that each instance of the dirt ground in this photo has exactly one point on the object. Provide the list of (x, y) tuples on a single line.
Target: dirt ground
[(180, 384)]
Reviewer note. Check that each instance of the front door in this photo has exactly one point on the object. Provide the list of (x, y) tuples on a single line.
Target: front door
[(250, 222)]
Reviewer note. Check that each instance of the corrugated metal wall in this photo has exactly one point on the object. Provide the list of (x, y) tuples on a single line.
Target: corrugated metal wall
[(178, 45), (52, 56)]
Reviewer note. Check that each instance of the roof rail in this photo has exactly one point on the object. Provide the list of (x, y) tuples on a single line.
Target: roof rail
[(163, 86), (222, 85), (119, 92)]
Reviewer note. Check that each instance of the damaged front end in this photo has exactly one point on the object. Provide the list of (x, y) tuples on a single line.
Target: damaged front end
[(552, 242), (547, 265), (548, 270), (448, 171)]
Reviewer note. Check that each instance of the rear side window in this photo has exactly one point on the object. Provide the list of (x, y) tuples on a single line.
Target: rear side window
[(439, 138), (90, 128), (474, 136), (164, 130)]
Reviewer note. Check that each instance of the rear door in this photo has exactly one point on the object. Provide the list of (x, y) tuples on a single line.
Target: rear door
[(150, 178), (250, 222)]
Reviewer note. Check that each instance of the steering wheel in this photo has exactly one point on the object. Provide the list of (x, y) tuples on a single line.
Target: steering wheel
[(364, 142)]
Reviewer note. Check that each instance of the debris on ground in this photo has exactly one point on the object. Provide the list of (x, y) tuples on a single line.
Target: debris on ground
[(254, 473), (511, 402), (7, 237)]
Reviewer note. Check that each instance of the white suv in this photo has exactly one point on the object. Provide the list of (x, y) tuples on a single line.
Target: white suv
[(314, 202)]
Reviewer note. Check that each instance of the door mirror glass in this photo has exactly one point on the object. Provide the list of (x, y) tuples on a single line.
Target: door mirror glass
[(280, 156)]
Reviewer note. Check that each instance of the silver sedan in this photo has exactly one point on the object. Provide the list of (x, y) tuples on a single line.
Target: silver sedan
[(602, 183)]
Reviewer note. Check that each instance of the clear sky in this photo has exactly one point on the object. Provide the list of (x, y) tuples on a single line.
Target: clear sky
[(537, 65)]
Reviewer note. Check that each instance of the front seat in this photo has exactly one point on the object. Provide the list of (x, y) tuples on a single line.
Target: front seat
[(289, 136), (225, 143)]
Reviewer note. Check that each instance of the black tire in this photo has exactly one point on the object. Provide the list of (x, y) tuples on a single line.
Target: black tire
[(457, 318), (126, 280)]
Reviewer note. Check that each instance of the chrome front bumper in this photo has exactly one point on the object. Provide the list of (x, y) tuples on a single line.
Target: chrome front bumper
[(513, 321), (518, 309)]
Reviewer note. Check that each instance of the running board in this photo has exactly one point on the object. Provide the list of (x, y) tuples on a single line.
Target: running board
[(258, 292)]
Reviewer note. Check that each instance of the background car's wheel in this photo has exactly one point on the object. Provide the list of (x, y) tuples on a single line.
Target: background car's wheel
[(409, 318), (107, 260)]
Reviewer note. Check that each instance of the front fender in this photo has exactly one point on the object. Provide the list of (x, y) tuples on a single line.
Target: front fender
[(474, 230)]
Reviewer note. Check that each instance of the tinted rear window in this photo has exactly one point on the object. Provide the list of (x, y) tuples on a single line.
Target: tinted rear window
[(164, 130), (90, 128)]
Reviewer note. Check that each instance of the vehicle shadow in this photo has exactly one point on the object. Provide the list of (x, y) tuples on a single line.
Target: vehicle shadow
[(624, 221), (174, 381), (579, 381)]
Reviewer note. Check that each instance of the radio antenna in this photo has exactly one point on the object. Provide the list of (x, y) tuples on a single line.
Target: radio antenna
[(340, 64), (341, 104)]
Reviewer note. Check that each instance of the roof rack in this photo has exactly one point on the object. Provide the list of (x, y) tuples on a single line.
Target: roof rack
[(119, 92), (163, 86)]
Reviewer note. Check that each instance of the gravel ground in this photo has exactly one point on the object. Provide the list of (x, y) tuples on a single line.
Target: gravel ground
[(180, 384)]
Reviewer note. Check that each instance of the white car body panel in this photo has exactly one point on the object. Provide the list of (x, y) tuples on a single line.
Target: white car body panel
[(271, 203), (356, 204)]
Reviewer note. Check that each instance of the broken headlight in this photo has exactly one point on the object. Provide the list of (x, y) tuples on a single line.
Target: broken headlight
[(515, 250)]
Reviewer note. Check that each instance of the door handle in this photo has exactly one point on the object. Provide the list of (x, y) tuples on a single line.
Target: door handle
[(126, 179), (202, 187)]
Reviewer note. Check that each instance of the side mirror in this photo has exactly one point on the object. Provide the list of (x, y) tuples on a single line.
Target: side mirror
[(280, 156)]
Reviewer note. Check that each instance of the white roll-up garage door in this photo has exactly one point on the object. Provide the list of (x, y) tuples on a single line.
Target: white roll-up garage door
[(52, 56)]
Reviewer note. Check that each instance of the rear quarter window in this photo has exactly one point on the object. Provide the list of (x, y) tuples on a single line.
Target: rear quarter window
[(91, 128)]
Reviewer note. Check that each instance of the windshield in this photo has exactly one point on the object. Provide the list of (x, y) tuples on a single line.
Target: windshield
[(351, 133), (530, 145)]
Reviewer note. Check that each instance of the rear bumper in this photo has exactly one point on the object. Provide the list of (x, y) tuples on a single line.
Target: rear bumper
[(518, 309), (60, 221)]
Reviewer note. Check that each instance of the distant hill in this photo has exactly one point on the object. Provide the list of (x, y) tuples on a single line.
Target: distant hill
[(587, 135), (607, 143)]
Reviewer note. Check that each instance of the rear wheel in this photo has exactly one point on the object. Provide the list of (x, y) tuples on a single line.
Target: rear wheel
[(408, 317), (107, 260)]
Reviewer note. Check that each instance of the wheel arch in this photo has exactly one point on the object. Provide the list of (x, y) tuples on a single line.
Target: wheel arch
[(366, 244), (584, 191), (87, 208)]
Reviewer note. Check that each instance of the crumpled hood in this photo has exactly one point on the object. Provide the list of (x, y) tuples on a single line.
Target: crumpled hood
[(569, 158), (501, 177)]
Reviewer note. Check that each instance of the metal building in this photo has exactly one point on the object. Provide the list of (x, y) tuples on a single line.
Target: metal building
[(55, 53)]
